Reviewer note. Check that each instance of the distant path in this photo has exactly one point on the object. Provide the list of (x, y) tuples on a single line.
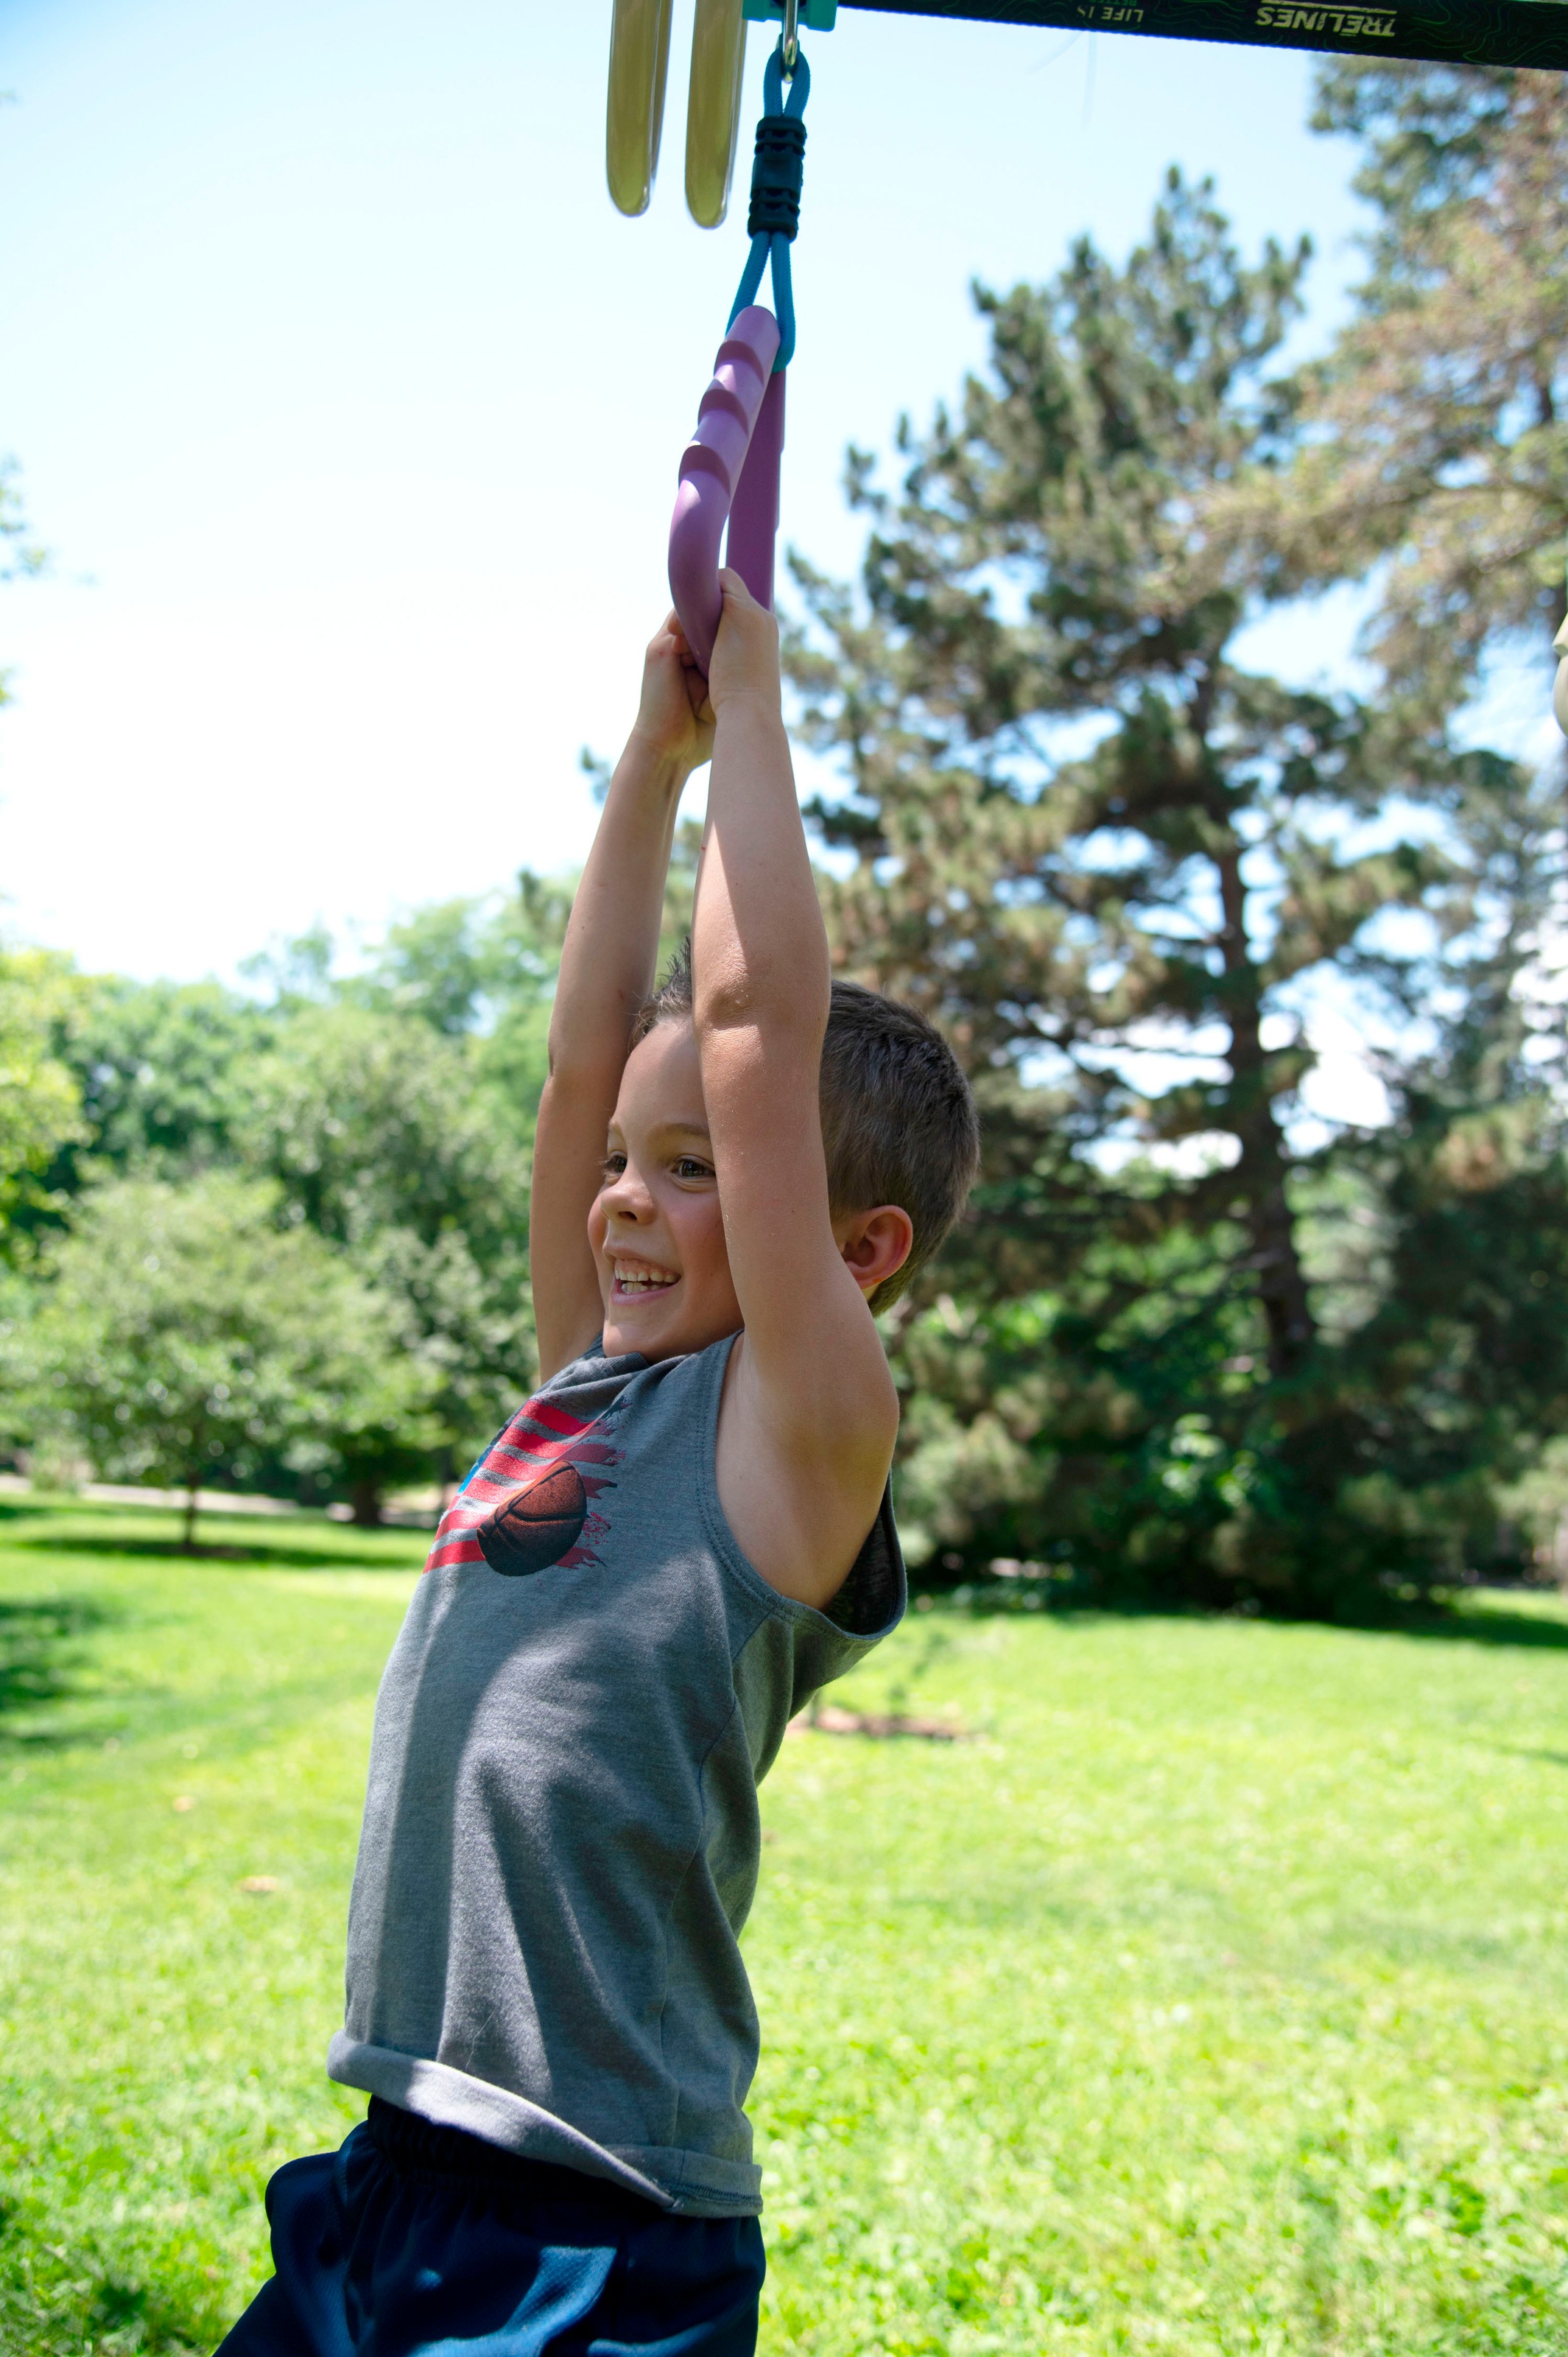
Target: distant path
[(216, 1501)]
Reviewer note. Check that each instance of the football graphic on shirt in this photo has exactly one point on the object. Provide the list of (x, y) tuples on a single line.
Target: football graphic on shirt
[(536, 1526), (535, 1498)]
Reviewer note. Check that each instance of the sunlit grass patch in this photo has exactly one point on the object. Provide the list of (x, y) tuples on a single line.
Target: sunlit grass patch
[(1214, 2003), (183, 1729), (1210, 1997)]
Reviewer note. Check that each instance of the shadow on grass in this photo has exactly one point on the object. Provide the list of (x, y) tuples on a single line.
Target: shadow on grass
[(58, 2303), (287, 1554), (41, 1645), (1467, 1623), (1470, 1625)]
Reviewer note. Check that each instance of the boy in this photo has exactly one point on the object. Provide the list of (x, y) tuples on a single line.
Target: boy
[(672, 1544)]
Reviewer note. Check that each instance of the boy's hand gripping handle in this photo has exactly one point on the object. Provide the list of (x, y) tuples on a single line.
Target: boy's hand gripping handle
[(730, 469)]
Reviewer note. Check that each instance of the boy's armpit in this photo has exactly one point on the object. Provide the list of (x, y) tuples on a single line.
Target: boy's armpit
[(800, 1491)]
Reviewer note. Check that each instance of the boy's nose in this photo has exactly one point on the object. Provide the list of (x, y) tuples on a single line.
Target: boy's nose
[(628, 1199)]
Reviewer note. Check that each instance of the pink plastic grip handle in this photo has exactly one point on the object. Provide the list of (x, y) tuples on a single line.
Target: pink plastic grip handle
[(754, 512), (729, 472)]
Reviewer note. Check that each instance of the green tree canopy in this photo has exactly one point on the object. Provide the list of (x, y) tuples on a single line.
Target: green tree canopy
[(380, 1131), (162, 1072), (40, 1101), (192, 1334), (393, 1107)]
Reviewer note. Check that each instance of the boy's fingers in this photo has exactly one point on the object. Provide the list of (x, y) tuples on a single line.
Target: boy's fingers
[(735, 589), (668, 632)]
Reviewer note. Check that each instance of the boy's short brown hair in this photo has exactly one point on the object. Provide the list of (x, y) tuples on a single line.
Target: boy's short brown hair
[(898, 1120)]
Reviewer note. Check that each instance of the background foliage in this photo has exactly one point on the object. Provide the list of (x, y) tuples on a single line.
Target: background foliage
[(343, 1166), (1202, 1338)]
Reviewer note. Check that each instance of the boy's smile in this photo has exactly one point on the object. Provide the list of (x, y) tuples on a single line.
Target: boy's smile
[(631, 1278), (656, 1228)]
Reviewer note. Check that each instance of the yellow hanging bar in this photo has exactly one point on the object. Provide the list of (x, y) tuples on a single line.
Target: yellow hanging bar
[(639, 58), (713, 108)]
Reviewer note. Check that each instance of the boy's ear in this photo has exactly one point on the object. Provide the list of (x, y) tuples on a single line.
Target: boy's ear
[(875, 1244)]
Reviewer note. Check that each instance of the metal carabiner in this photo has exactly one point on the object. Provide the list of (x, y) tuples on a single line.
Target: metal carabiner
[(791, 40)]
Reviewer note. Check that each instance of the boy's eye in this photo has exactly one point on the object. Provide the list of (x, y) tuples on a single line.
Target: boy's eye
[(612, 1166), (689, 1167)]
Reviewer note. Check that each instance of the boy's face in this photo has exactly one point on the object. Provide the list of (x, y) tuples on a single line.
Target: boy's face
[(655, 1229)]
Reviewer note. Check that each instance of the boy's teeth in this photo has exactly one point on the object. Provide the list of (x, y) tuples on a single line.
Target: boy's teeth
[(640, 1280)]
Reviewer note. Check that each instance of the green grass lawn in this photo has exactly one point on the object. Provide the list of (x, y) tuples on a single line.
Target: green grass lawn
[(1209, 1998)]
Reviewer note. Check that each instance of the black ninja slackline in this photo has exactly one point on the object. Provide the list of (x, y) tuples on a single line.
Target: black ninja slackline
[(1470, 32)]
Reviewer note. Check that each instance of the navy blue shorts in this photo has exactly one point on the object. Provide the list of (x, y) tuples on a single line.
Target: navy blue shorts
[(416, 2238)]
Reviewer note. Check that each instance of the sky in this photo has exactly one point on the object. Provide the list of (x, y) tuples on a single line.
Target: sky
[(348, 409)]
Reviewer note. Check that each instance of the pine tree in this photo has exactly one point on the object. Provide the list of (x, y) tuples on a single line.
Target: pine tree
[(1437, 458), (1115, 862)]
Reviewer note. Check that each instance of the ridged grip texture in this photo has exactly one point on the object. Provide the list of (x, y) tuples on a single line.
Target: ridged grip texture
[(715, 478)]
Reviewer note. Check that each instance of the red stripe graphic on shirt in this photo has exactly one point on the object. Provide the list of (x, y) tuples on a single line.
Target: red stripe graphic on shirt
[(540, 1436)]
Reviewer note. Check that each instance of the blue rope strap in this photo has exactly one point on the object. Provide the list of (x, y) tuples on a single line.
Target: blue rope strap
[(775, 212)]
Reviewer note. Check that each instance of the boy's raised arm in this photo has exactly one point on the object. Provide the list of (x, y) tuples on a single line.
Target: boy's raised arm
[(607, 969), (811, 1414)]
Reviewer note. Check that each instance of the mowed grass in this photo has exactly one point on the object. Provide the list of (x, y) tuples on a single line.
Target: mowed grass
[(1208, 1997)]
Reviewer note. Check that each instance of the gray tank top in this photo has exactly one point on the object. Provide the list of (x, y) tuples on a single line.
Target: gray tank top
[(561, 1836)]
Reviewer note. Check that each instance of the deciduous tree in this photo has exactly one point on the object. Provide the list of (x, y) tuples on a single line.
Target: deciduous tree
[(40, 1102), (191, 1333)]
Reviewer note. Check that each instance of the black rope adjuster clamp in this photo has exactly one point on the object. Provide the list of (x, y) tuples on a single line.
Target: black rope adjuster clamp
[(777, 171)]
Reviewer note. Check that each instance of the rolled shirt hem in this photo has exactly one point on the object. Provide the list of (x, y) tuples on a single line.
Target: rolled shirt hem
[(694, 2184)]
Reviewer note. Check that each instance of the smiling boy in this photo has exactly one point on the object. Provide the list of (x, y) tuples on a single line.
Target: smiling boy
[(680, 1536)]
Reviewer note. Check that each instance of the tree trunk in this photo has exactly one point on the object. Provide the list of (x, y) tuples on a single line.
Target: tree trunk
[(1260, 1173), (188, 1542), (365, 1503)]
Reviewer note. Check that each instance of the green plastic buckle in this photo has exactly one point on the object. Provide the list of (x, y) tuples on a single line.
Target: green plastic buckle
[(816, 15)]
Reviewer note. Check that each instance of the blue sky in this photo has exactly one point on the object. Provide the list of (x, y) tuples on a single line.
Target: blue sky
[(349, 410)]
